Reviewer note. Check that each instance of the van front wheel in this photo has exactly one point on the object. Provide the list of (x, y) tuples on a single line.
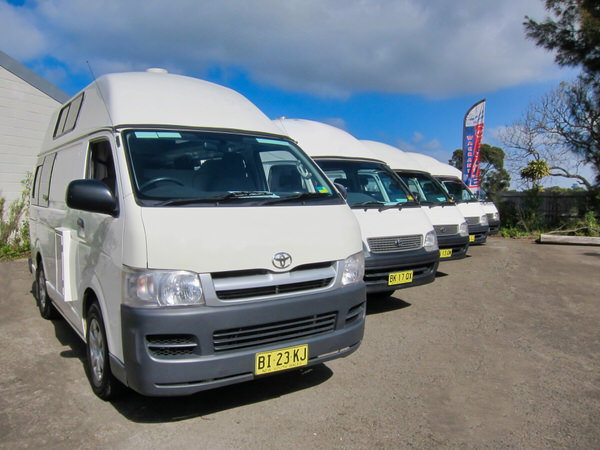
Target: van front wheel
[(44, 303), (102, 380)]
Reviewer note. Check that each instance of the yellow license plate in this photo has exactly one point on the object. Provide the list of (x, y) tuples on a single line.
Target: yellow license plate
[(282, 359), (445, 253), (471, 238), (400, 277)]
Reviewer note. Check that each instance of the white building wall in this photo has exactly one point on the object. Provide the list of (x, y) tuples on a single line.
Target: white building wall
[(24, 115)]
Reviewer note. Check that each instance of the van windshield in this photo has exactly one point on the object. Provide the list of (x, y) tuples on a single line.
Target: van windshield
[(458, 190), (182, 168), (425, 186), (368, 184)]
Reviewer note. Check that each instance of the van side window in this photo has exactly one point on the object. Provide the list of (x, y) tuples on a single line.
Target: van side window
[(101, 165), (44, 185), (35, 186), (67, 118)]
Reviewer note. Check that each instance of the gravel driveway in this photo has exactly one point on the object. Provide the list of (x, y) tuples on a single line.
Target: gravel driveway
[(502, 350)]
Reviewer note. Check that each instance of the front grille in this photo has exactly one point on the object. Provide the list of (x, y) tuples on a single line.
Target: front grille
[(172, 346), (254, 284), (472, 220), (234, 294), (258, 335), (395, 243), (446, 230)]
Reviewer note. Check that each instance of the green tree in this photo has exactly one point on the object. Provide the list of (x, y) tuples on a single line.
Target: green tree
[(536, 170), (573, 33), (494, 177), (544, 134)]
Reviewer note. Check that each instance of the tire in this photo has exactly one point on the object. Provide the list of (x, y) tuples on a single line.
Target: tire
[(103, 383), (42, 298)]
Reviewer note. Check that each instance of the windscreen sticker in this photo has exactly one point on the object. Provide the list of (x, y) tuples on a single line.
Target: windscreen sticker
[(157, 134), (322, 190), (270, 141)]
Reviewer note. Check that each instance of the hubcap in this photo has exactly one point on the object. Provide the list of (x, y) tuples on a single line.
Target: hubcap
[(96, 351)]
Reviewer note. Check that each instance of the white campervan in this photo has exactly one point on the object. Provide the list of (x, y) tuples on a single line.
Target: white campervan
[(398, 238), (163, 234), (488, 206), (492, 213), (470, 207), (449, 223)]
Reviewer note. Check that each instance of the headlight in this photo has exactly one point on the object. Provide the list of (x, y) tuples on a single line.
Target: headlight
[(463, 229), (430, 243), (496, 215), (161, 288), (354, 269), (483, 220)]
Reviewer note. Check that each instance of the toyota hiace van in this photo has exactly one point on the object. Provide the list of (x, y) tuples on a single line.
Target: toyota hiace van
[(468, 204), (163, 233), (449, 223), (399, 242)]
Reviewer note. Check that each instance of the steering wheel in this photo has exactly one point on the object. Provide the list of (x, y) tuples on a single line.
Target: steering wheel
[(160, 180)]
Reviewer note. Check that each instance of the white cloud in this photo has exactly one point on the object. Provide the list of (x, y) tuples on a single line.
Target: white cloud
[(436, 48), (417, 137), (19, 36)]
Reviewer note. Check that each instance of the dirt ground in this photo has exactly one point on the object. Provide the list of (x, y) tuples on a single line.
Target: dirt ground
[(502, 350)]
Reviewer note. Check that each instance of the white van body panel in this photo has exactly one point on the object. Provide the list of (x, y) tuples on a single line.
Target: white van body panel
[(435, 167), (444, 215), (472, 209), (312, 135), (394, 157), (237, 238), (489, 207), (391, 222), (141, 98)]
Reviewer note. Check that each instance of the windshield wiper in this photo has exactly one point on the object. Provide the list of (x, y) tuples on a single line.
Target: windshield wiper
[(216, 198), (398, 205), (300, 196), (366, 205)]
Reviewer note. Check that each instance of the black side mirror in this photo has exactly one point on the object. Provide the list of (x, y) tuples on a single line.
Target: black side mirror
[(92, 196), (342, 190)]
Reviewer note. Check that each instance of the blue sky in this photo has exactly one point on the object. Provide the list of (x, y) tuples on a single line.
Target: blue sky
[(403, 72)]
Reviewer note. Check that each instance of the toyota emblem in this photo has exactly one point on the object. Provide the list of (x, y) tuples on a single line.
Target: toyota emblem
[(398, 242), (281, 260), (442, 229)]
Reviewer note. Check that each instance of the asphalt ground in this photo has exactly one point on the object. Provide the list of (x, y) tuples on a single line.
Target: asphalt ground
[(502, 350)]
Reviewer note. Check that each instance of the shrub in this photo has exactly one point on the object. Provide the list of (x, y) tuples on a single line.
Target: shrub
[(14, 229)]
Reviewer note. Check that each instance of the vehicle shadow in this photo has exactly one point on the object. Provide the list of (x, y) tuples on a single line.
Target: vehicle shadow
[(439, 274), (379, 305), (141, 409)]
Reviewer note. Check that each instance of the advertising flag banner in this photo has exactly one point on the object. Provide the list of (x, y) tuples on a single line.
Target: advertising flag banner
[(472, 134)]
